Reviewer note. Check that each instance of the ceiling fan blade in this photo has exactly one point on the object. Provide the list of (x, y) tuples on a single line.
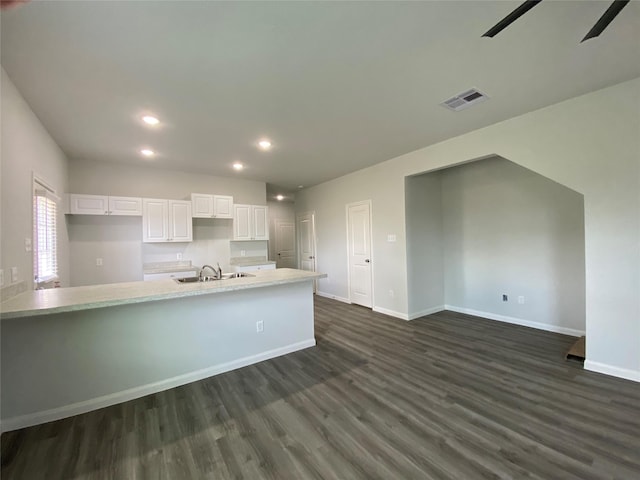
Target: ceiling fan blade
[(606, 18), (512, 17)]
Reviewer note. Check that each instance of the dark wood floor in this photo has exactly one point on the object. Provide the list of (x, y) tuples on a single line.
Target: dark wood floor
[(447, 396)]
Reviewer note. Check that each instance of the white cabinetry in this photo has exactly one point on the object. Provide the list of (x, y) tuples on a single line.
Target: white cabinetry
[(166, 220), (250, 222), (104, 205), (211, 206)]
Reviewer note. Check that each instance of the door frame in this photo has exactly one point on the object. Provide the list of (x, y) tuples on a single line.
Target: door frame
[(353, 204), (312, 214)]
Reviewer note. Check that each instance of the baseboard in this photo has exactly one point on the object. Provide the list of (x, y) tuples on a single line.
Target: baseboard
[(633, 375), (137, 392), (517, 321), (427, 311), (391, 313), (334, 297)]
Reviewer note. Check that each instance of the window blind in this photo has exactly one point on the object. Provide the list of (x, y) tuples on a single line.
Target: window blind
[(45, 255)]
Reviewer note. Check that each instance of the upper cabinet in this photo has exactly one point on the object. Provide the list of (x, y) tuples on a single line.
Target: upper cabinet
[(250, 222), (211, 206), (104, 205), (166, 220)]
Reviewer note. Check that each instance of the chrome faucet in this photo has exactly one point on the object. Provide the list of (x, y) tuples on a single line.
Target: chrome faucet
[(217, 273)]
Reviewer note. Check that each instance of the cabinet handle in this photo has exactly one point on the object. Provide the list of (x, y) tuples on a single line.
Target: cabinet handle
[(106, 213)]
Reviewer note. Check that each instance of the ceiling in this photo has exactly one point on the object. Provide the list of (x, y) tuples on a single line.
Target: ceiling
[(335, 86)]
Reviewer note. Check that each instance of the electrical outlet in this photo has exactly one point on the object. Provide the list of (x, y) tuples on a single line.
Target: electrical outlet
[(14, 274), (1, 277), (98, 262), (179, 256), (243, 253), (392, 294), (259, 326), (521, 300), (27, 244), (505, 298)]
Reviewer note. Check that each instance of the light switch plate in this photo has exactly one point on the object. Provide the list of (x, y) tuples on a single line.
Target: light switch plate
[(179, 256), (98, 262), (14, 274), (27, 244), (391, 238)]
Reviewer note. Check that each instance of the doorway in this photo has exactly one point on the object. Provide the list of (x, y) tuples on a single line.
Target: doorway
[(285, 244), (359, 253), (307, 242)]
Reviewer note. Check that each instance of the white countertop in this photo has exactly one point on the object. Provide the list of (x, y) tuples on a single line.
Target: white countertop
[(58, 300)]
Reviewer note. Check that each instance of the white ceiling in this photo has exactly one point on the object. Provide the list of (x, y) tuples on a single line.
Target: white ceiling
[(336, 86)]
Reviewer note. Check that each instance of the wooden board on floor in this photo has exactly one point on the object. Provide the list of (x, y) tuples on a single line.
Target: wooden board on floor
[(576, 352)]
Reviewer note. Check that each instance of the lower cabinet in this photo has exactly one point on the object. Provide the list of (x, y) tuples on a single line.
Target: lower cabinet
[(166, 220)]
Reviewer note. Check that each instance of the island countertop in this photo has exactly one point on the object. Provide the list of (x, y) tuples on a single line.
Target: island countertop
[(59, 300)]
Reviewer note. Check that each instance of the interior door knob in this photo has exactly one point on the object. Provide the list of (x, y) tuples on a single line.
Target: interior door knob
[(367, 260)]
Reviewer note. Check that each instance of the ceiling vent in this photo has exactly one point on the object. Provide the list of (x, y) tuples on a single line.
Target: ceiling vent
[(464, 100)]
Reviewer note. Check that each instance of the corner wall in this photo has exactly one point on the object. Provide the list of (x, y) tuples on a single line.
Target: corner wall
[(589, 144), (27, 148), (510, 231)]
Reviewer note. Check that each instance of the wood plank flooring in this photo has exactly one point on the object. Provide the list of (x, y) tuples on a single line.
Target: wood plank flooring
[(448, 396)]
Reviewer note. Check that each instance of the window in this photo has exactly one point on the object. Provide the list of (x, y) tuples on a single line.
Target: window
[(45, 252)]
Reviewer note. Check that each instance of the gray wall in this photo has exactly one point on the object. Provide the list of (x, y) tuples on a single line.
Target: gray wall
[(64, 364), (27, 149), (589, 144), (118, 240), (508, 230), (425, 254)]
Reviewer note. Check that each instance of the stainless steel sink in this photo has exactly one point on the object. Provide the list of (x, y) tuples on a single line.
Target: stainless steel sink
[(225, 276), (237, 275)]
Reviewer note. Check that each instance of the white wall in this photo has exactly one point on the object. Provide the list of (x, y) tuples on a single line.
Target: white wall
[(118, 240), (590, 144), (508, 230), (26, 149), (425, 254)]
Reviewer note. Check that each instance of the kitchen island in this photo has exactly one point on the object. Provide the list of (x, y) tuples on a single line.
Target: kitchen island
[(70, 350)]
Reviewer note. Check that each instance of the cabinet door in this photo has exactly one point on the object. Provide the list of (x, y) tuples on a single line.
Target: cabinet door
[(260, 223), (88, 204), (180, 221), (125, 206), (241, 222), (202, 205), (155, 220), (222, 206)]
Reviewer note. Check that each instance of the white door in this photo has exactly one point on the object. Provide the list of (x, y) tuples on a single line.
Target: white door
[(180, 221), (241, 219), (260, 224), (88, 204), (359, 244), (222, 206), (155, 215), (285, 244), (125, 206), (306, 242), (201, 205)]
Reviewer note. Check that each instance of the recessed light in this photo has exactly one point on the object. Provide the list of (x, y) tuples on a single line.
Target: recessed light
[(264, 144), (147, 153), (300, 186), (150, 120), (279, 197), (238, 166)]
